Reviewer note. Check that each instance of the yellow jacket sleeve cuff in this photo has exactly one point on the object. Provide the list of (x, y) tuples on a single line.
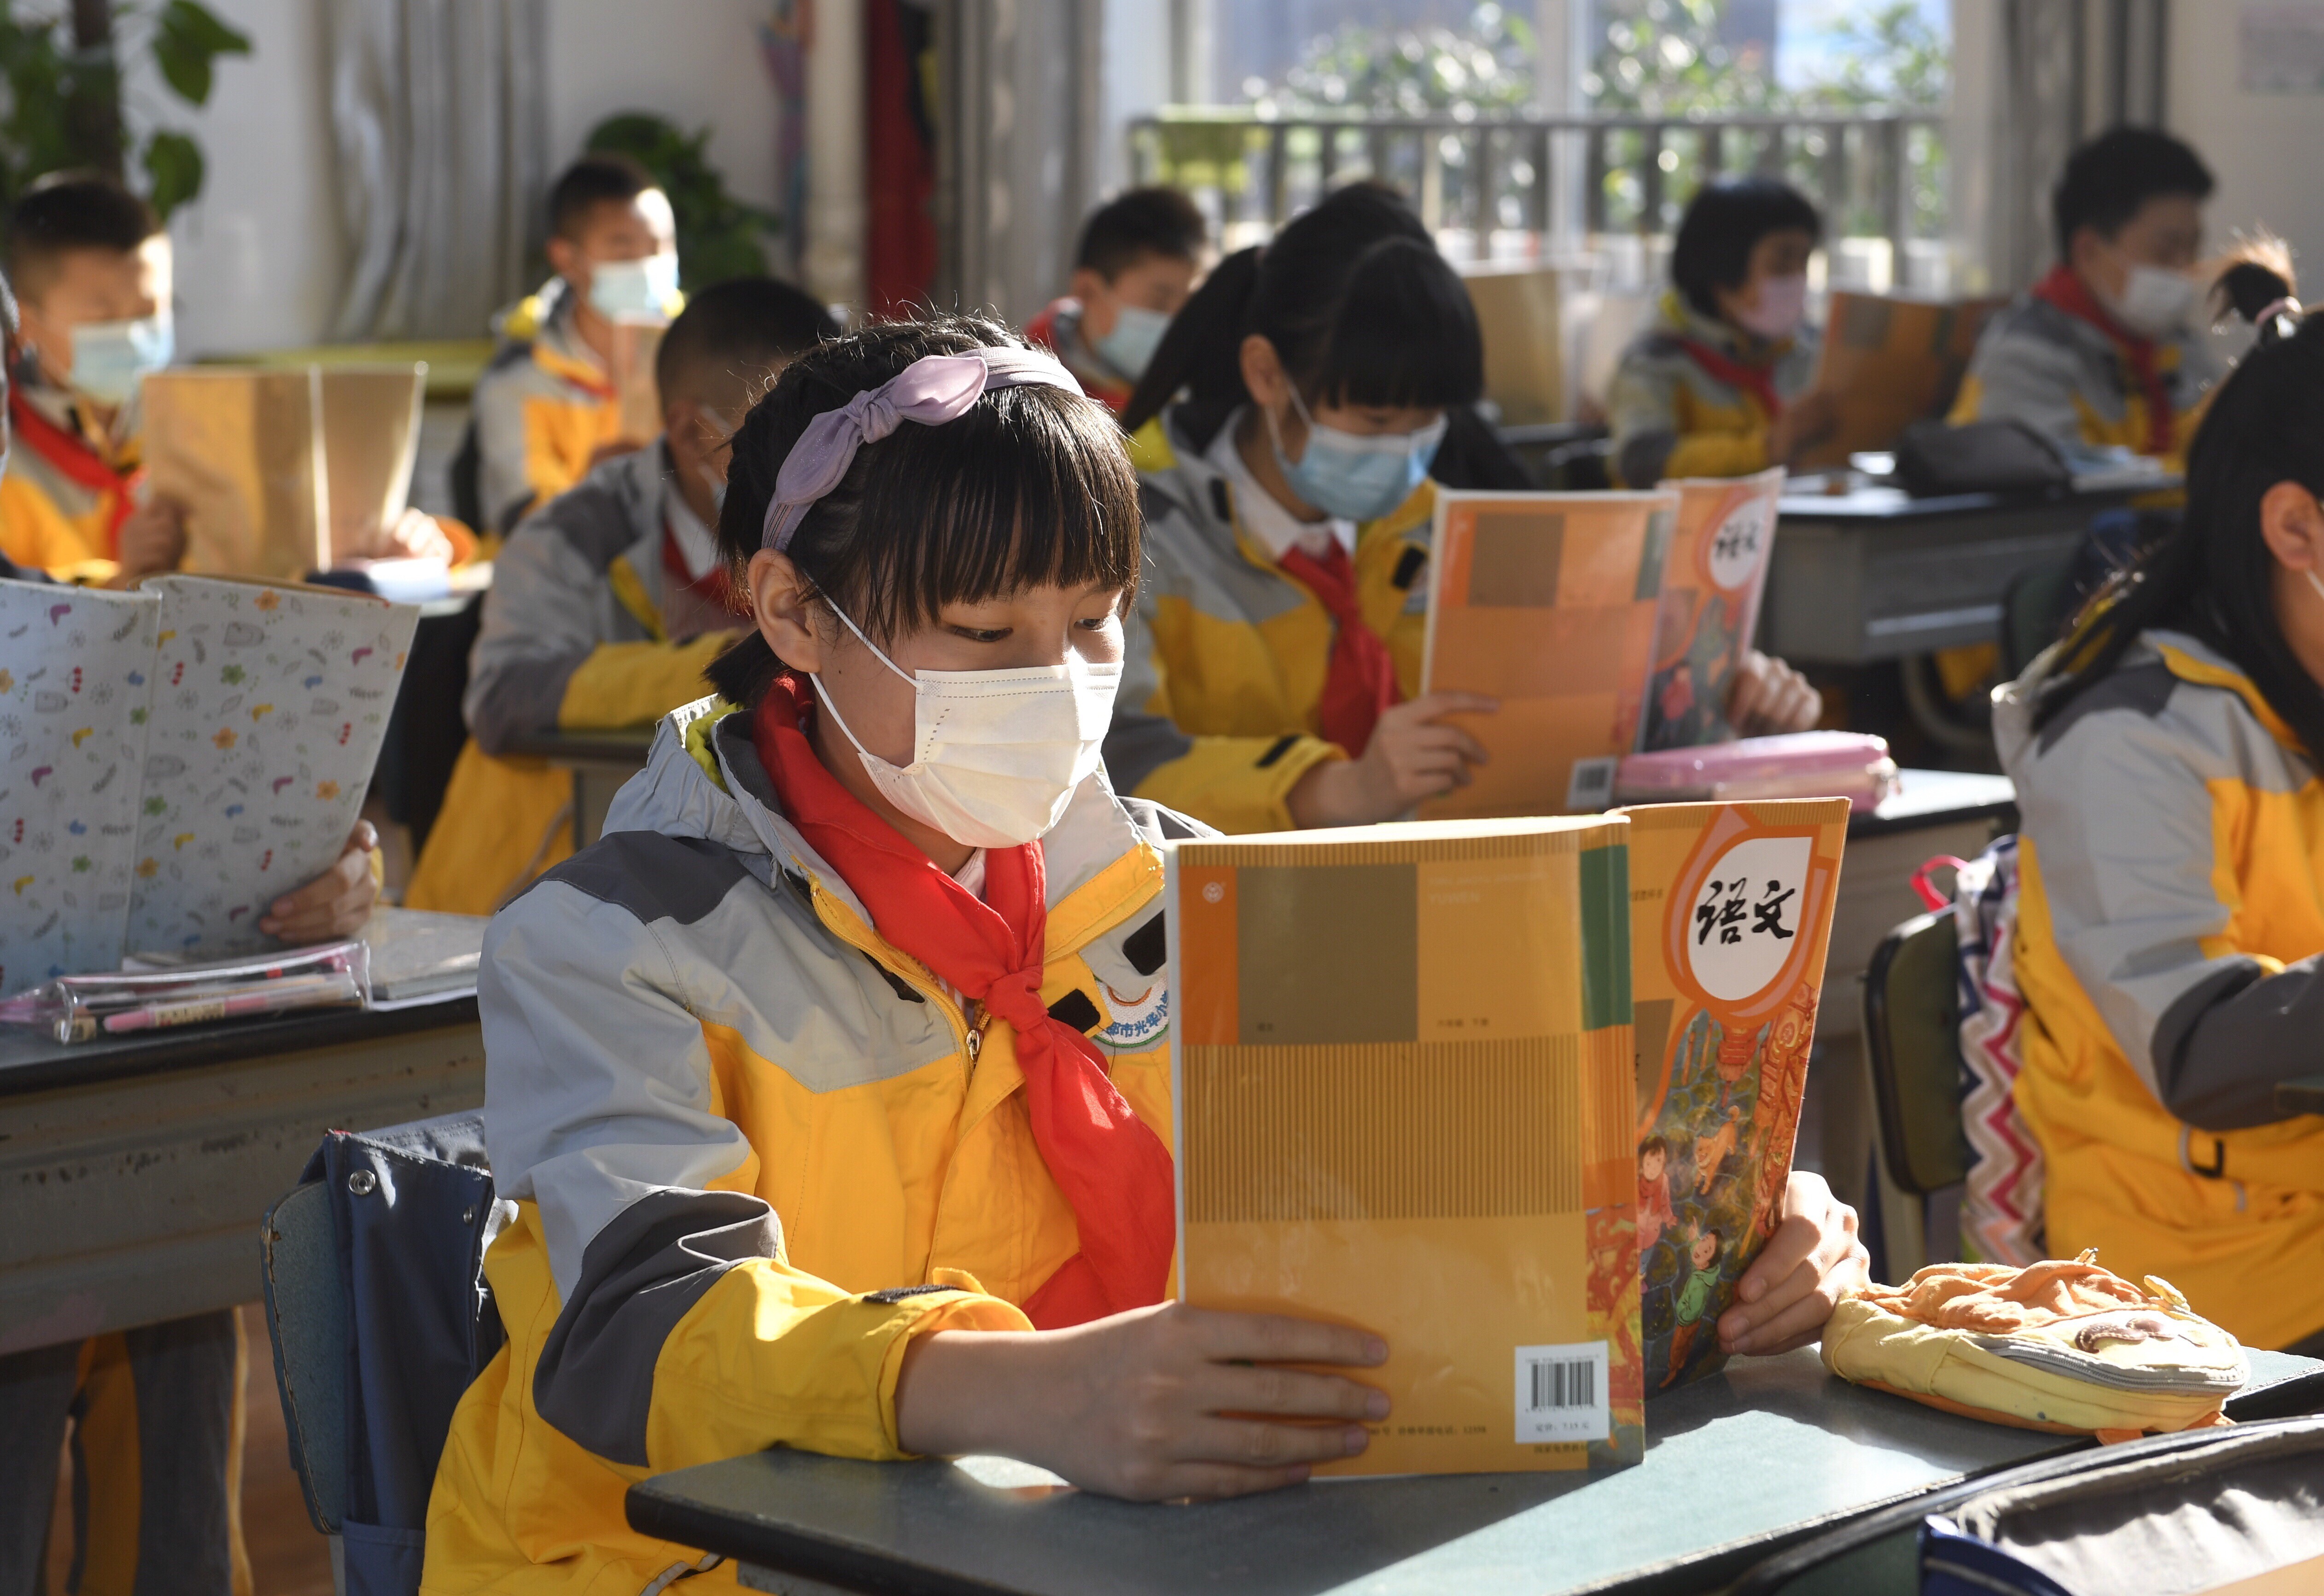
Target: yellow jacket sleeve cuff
[(636, 684), (1238, 784), (1718, 454)]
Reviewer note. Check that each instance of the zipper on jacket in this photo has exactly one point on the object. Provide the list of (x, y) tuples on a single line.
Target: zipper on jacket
[(968, 1038)]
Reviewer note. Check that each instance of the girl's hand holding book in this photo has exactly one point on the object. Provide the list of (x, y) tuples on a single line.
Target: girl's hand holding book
[(1413, 755), (336, 903), (1812, 1262)]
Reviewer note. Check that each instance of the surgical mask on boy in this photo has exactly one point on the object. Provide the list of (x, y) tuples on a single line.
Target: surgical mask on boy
[(1353, 475), (1781, 307), (623, 291), (110, 358), (2154, 303), (1130, 347), (996, 755)]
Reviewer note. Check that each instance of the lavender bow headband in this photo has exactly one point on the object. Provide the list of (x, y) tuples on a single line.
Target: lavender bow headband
[(932, 390)]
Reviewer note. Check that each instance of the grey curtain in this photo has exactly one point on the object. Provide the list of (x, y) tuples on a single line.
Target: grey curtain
[(438, 112)]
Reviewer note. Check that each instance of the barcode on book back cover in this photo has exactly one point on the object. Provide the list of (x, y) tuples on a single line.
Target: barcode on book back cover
[(1562, 1393), (1590, 787)]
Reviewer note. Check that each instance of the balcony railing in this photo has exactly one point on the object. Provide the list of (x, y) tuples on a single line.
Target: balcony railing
[(1526, 186)]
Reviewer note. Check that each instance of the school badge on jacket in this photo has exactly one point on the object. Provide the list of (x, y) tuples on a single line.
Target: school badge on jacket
[(1138, 1021)]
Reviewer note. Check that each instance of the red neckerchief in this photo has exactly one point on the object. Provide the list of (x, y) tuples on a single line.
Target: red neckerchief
[(2070, 294), (1112, 1168), (712, 587), (1757, 381), (1360, 681), (72, 454)]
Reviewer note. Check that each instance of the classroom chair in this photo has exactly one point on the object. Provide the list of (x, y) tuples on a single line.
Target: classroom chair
[(1911, 1049), (2035, 609), (380, 1318)]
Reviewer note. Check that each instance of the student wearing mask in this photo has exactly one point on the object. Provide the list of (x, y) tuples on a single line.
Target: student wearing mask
[(608, 603), (93, 267), (155, 1413), (824, 1085), (545, 406), (1134, 267), (1723, 384), (2171, 870), (2101, 352), (1276, 649)]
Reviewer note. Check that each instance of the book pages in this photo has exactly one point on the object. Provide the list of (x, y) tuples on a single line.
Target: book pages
[(270, 704), (75, 668), (1402, 1077), (242, 451), (1890, 362), (1730, 917), (371, 442), (1712, 585), (1545, 602)]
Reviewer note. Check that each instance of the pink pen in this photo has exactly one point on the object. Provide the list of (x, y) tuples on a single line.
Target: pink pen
[(301, 992)]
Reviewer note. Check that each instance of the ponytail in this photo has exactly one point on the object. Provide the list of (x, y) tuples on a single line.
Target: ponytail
[(1201, 353)]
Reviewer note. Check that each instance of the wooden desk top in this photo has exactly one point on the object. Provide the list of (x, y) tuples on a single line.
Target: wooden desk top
[(29, 1062)]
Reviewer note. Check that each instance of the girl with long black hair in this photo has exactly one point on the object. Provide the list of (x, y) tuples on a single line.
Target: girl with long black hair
[(2172, 868)]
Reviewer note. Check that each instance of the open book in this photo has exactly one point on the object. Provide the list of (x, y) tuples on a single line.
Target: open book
[(1547, 603), (1403, 1075), (1730, 916), (1891, 362), (1712, 583), (174, 758)]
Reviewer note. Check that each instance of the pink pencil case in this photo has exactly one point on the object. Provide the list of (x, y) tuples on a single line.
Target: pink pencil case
[(1802, 765)]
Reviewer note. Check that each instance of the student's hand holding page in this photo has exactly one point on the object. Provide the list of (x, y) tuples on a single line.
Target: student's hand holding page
[(152, 538), (1812, 1262), (1766, 698), (1806, 422), (336, 903), (1138, 1405), (1412, 756)]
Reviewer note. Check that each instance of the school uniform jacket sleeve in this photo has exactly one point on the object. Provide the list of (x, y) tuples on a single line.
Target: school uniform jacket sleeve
[(683, 1335), (1643, 411), (2143, 904), (2023, 371), (561, 645)]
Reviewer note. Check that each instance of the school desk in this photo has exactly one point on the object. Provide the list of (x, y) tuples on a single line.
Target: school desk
[(1875, 575), (598, 763), (2304, 1095), (1737, 1467), (133, 1170)]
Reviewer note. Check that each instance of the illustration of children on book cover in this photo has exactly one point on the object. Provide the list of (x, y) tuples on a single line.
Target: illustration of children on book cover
[(1732, 904), (1710, 606)]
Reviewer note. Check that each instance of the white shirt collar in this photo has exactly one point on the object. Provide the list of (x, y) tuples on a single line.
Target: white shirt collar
[(1277, 530), (697, 545)]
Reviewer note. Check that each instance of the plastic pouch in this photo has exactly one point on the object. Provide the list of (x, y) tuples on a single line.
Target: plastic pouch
[(82, 1008), (1800, 764)]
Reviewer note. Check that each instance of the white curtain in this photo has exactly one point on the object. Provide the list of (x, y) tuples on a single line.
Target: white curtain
[(440, 114)]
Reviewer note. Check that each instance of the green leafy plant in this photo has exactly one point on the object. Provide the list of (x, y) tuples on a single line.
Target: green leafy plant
[(719, 236), (62, 69)]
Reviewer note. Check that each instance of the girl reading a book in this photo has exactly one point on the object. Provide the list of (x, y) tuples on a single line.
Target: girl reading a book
[(2172, 878), (1723, 383), (1288, 432), (829, 1083)]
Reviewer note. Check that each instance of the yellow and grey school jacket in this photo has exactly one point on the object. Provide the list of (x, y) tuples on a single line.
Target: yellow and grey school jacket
[(1670, 416), (2172, 868), (584, 630), (1219, 714), (755, 1151), (59, 516), (543, 409), (2069, 381)]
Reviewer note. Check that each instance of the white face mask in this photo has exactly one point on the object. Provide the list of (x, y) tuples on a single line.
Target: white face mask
[(634, 291), (1782, 305), (2154, 303), (996, 755), (111, 358)]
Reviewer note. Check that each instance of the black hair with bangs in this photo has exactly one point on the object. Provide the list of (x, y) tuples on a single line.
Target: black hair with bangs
[(1360, 309), (1031, 487), (1723, 224)]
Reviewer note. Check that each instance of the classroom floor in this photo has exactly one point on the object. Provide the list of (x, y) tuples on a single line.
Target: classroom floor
[(287, 1557)]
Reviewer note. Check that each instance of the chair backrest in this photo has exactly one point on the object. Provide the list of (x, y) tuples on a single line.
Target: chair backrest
[(307, 1321), (1912, 1019), (2034, 608)]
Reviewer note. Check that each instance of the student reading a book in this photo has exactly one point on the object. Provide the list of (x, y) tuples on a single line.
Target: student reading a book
[(2102, 352), (608, 603), (1279, 629), (2172, 876), (1132, 270), (1722, 384), (828, 1085), (546, 408)]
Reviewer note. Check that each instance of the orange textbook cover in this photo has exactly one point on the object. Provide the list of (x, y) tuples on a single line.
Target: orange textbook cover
[(1712, 583), (1891, 362), (1545, 602), (1730, 916), (1403, 1087)]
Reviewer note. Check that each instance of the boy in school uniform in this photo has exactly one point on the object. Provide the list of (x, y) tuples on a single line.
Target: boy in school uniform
[(608, 603), (93, 266), (2101, 352), (546, 408), (1134, 267)]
